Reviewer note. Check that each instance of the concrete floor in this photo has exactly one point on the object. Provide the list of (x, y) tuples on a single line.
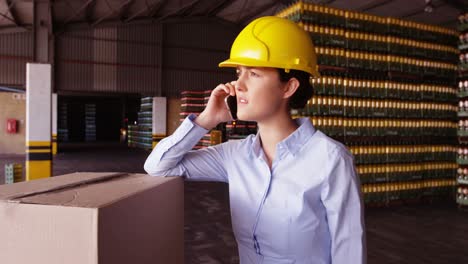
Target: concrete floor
[(419, 233)]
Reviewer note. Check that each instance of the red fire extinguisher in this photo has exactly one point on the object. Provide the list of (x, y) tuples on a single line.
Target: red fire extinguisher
[(11, 126)]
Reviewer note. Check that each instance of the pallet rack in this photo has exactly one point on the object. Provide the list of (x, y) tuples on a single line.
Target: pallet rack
[(462, 159), (140, 135), (387, 91)]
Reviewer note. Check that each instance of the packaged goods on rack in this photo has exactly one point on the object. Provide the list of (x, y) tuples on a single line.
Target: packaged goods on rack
[(143, 134), (462, 158), (194, 102), (240, 129), (62, 122), (90, 122), (389, 92)]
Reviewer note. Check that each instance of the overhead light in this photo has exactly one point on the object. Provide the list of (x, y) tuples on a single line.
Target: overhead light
[(429, 7)]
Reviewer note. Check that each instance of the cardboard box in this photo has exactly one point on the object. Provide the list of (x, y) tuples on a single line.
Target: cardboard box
[(93, 218)]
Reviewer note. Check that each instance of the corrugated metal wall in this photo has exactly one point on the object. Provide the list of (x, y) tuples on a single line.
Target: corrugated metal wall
[(74, 55), (138, 52), (16, 49), (105, 60), (127, 59), (192, 52)]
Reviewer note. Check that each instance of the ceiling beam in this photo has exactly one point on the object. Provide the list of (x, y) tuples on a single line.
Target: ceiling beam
[(78, 12), (219, 7), (112, 12), (8, 18), (123, 13), (89, 11), (150, 9), (14, 16), (239, 13), (373, 5), (154, 11), (257, 12), (188, 9), (182, 11), (16, 29)]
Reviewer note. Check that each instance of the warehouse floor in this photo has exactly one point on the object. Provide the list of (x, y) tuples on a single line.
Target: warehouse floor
[(414, 234)]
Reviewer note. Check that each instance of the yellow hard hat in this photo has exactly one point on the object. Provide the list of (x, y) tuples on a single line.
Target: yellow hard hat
[(273, 42)]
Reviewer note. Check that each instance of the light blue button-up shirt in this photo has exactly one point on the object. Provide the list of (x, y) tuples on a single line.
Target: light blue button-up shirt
[(306, 209)]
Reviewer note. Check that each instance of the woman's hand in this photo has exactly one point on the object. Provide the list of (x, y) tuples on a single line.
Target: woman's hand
[(216, 110)]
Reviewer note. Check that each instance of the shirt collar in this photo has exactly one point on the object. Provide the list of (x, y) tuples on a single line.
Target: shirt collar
[(293, 142)]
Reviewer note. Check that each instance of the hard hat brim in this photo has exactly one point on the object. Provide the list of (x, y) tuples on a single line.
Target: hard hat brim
[(246, 62), (234, 62)]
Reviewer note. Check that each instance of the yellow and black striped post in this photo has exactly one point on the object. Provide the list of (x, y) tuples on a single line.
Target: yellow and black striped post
[(54, 144), (38, 121), (159, 119), (54, 123), (38, 160)]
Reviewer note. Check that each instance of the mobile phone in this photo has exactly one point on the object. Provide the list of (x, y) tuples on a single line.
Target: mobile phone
[(231, 103)]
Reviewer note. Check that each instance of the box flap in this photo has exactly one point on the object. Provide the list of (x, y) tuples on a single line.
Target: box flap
[(11, 192), (105, 188)]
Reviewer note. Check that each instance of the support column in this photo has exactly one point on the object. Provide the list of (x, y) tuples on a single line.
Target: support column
[(42, 31), (38, 121), (39, 96), (159, 119), (54, 123)]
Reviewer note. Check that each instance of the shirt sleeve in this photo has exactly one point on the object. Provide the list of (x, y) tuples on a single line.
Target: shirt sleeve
[(173, 156), (343, 202)]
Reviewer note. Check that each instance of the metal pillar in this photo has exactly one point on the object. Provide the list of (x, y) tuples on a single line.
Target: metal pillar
[(39, 96), (54, 123), (42, 31), (38, 121), (159, 119)]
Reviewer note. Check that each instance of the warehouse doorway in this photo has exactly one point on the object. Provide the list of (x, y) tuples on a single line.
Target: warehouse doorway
[(94, 119)]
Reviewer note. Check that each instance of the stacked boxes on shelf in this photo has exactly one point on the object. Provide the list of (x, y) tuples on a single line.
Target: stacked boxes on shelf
[(90, 122), (195, 102), (159, 128), (62, 126), (240, 129), (140, 134), (462, 177), (388, 92), (13, 173)]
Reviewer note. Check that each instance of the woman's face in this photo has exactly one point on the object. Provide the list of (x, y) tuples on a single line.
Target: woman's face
[(259, 93)]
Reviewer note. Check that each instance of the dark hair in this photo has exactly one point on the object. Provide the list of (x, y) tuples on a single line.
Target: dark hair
[(305, 90)]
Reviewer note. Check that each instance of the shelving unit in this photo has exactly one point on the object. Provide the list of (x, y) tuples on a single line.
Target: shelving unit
[(62, 123), (462, 159), (195, 102), (90, 122), (388, 92), (13, 173), (151, 123), (240, 129)]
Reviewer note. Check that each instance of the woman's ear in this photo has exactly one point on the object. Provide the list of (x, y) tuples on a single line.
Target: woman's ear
[(290, 88)]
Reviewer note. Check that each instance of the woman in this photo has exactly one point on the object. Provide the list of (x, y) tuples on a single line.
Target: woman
[(294, 193)]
